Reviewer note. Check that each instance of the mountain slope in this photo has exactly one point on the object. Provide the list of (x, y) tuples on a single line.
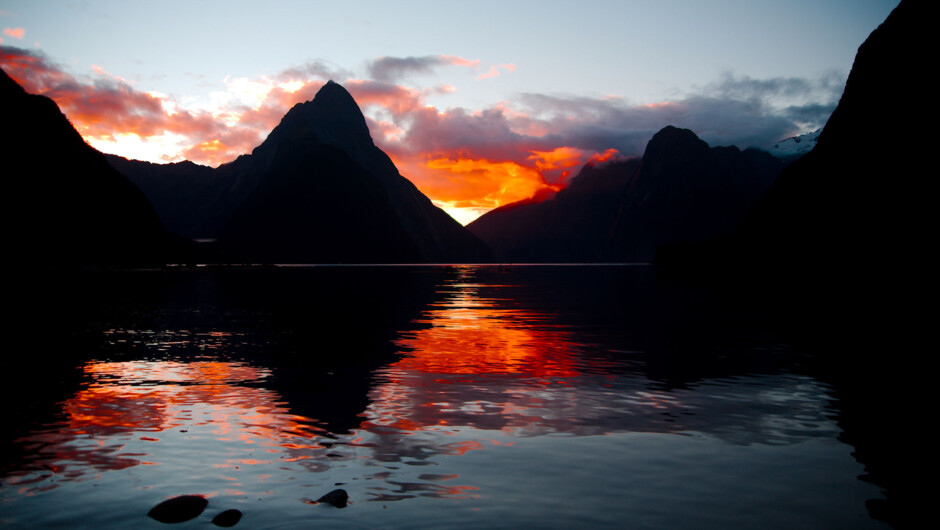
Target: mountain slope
[(840, 244), (181, 193), (333, 118), (67, 205), (570, 226), (685, 191), (681, 190), (843, 204), (316, 205), (280, 202)]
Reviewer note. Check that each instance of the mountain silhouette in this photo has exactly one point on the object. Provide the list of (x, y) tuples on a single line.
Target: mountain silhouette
[(845, 211), (316, 205), (686, 191), (570, 226), (67, 205), (316, 190), (681, 190), (843, 205), (182, 193)]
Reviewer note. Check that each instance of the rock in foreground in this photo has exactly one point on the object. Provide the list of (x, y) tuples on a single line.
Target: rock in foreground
[(179, 509)]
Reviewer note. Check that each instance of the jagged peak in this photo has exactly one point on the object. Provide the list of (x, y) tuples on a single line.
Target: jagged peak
[(334, 93), (332, 116)]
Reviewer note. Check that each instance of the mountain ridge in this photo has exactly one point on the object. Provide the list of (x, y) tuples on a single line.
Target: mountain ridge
[(680, 190), (331, 119), (72, 208)]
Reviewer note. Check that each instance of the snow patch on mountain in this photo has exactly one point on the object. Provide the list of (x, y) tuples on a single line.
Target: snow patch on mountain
[(795, 146)]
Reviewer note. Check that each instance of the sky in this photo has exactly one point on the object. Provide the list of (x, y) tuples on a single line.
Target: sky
[(478, 103)]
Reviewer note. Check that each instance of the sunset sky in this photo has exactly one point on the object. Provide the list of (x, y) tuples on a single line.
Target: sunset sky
[(478, 103)]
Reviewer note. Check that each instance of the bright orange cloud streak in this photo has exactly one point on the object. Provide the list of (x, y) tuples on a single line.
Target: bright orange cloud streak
[(604, 157), (474, 185), (467, 187), (556, 165), (212, 151)]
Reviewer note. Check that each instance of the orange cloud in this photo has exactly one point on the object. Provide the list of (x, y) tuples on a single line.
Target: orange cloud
[(476, 185), (392, 68), (460, 61), (467, 187), (607, 155), (16, 33), (396, 99), (494, 71), (556, 165), (212, 152)]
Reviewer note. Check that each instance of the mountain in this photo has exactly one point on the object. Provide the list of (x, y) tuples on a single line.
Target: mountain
[(686, 191), (181, 193), (845, 208), (316, 190), (682, 190), (317, 205), (570, 226), (66, 204)]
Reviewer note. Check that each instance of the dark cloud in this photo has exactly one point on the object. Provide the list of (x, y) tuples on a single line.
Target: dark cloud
[(389, 69), (736, 111), (315, 70), (812, 116), (393, 68), (32, 70), (485, 134), (827, 86)]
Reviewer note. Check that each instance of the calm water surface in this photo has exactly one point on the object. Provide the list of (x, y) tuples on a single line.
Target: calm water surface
[(437, 397)]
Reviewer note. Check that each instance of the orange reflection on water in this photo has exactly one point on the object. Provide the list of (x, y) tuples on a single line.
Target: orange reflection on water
[(129, 411), (469, 334), (477, 360)]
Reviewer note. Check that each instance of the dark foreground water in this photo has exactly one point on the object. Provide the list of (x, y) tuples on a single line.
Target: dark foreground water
[(437, 397)]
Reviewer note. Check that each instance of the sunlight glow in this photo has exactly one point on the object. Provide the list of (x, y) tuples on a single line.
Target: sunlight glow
[(151, 148), (292, 86)]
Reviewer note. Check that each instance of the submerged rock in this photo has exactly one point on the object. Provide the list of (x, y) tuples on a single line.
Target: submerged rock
[(337, 498), (227, 518), (179, 509)]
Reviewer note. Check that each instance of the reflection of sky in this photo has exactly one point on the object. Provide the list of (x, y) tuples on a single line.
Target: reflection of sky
[(487, 363), (139, 412), (483, 377)]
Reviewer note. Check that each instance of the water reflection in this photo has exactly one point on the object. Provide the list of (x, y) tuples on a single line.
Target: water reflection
[(471, 395), (491, 363), (142, 412)]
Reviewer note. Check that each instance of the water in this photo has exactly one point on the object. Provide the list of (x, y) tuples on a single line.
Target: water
[(437, 397)]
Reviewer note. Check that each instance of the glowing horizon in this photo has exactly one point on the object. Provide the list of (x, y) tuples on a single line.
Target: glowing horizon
[(455, 112)]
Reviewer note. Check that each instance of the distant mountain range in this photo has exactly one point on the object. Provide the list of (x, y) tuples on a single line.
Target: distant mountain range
[(681, 190)]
